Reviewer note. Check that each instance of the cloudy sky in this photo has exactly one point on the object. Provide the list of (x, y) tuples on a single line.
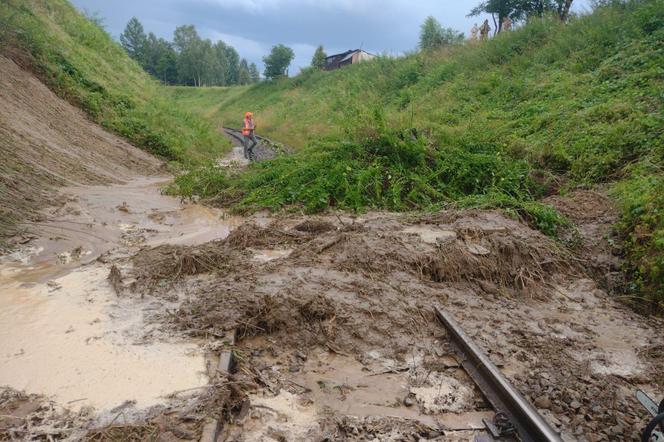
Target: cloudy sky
[(253, 26)]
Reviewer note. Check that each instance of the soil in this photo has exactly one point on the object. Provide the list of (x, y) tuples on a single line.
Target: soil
[(338, 329), (593, 215)]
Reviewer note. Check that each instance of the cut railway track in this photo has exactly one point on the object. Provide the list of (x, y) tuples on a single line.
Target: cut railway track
[(514, 414)]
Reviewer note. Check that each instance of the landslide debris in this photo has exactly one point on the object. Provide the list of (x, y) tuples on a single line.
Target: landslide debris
[(346, 291)]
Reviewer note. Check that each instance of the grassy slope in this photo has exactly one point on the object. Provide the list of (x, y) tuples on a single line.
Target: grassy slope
[(499, 124), (83, 64)]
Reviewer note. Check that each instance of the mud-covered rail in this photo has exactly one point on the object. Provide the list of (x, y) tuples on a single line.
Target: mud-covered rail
[(504, 398)]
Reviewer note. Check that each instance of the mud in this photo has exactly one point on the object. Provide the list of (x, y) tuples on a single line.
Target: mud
[(117, 300), (592, 238), (72, 344), (338, 338)]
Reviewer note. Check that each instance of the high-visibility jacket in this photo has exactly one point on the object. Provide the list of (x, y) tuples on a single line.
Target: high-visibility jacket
[(249, 126)]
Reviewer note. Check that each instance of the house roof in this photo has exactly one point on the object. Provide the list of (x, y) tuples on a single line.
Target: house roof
[(346, 55)]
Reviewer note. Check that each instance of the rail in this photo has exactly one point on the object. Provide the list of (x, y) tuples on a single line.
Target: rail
[(277, 147), (504, 398)]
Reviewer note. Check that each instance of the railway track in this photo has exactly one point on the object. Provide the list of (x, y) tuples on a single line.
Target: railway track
[(514, 414), (264, 143)]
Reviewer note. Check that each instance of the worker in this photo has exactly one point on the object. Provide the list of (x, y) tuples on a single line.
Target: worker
[(484, 30), (248, 136)]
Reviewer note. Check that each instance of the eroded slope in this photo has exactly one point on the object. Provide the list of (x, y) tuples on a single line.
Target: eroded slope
[(45, 143)]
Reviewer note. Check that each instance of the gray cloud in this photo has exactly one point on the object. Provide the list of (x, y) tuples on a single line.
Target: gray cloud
[(253, 26)]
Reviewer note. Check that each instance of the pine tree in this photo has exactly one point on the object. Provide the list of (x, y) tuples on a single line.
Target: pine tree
[(232, 66), (133, 40), (318, 61)]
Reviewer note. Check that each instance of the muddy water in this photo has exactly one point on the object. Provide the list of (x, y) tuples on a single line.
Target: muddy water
[(65, 333)]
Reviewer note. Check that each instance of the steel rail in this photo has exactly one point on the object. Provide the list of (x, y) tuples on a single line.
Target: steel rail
[(237, 134), (504, 398)]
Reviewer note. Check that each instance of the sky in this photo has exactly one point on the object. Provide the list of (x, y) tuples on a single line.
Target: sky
[(253, 26)]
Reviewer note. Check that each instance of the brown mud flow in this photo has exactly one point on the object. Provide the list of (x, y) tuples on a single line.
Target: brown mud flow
[(338, 340), (65, 334)]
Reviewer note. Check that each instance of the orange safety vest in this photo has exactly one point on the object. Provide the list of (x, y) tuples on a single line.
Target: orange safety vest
[(246, 130)]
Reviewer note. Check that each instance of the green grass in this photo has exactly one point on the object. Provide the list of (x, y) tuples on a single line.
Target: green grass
[(500, 124), (81, 63)]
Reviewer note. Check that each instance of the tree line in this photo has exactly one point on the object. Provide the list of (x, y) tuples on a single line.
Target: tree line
[(188, 60)]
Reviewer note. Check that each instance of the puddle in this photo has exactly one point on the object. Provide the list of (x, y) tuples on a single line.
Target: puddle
[(235, 158), (77, 344), (96, 219), (63, 331)]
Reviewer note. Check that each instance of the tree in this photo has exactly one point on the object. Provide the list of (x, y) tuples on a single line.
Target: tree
[(318, 61), (433, 35), (188, 60), (232, 66), (276, 64), (211, 66), (563, 9), (244, 77), (160, 59), (133, 40), (167, 63), (253, 73), (191, 55)]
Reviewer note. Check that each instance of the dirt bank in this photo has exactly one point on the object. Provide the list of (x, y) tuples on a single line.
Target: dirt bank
[(46, 143), (338, 338)]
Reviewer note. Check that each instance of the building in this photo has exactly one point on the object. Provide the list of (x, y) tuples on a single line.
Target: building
[(346, 58)]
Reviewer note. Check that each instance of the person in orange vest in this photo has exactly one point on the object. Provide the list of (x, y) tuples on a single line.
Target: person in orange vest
[(248, 134)]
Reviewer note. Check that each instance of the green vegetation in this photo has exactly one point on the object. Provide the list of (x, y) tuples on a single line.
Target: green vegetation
[(318, 60), (497, 124), (433, 36), (82, 64), (277, 62), (517, 10), (188, 60)]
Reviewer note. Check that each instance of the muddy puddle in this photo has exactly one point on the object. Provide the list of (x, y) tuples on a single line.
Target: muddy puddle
[(65, 334)]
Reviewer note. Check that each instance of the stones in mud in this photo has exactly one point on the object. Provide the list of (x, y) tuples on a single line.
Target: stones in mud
[(575, 404), (543, 402)]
